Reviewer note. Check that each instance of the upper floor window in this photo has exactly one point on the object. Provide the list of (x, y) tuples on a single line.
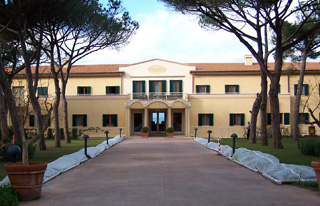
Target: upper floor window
[(79, 120), (236, 119), (202, 89), (205, 119), (284, 118), (305, 89), (109, 120), (112, 90), (18, 93), (42, 91), (84, 90), (175, 86), (303, 118), (139, 86), (232, 89), (31, 120), (158, 86)]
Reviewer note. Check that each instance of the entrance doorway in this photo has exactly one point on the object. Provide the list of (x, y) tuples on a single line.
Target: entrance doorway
[(158, 123)]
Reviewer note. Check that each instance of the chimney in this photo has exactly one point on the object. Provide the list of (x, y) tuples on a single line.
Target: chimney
[(248, 59)]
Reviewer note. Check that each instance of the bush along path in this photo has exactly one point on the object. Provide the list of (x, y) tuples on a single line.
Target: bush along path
[(268, 165), (70, 161)]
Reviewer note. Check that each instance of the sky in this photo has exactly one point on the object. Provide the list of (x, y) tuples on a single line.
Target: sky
[(169, 35)]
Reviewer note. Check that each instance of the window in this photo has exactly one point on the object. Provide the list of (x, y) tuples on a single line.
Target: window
[(284, 118), (138, 87), (18, 93), (305, 89), (79, 120), (158, 86), (42, 91), (175, 86), (236, 119), (303, 118), (202, 89), (109, 120), (232, 89), (31, 120), (84, 91), (112, 90), (205, 119)]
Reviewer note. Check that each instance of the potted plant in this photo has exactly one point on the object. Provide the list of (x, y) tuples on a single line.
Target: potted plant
[(170, 132), (144, 132), (316, 167), (26, 177)]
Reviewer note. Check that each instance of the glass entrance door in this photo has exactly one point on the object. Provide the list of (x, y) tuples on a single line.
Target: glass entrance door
[(158, 122)]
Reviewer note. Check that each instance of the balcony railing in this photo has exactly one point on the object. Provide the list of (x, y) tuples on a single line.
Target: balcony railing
[(158, 95)]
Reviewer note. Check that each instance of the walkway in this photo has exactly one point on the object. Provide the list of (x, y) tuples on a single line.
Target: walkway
[(160, 171)]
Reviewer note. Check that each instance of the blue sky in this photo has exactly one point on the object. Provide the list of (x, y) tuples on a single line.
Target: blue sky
[(172, 36)]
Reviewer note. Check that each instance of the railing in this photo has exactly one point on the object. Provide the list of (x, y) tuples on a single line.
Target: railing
[(158, 95)]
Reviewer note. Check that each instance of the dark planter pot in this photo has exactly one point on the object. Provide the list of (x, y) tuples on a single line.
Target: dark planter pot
[(316, 167), (26, 180), (170, 134), (144, 134)]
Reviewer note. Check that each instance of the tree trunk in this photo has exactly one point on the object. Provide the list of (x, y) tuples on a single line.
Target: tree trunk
[(275, 114), (56, 110), (65, 119), (298, 98), (263, 110), (254, 116), (6, 88), (3, 118)]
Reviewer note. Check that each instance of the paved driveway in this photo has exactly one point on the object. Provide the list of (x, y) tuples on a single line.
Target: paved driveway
[(147, 172)]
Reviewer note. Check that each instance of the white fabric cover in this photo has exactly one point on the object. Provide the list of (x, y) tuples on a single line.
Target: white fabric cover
[(268, 165), (67, 162)]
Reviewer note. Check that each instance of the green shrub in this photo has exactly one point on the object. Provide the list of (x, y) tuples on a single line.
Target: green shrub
[(61, 133), (50, 134), (8, 197), (309, 146), (170, 130), (74, 133), (144, 129), (5, 156)]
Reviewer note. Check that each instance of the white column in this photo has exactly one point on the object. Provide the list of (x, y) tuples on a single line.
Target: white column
[(169, 117), (187, 123), (145, 117)]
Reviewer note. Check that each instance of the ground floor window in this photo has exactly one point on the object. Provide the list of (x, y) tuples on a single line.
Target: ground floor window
[(112, 90), (284, 118), (79, 120), (303, 118), (110, 120), (236, 119), (205, 119)]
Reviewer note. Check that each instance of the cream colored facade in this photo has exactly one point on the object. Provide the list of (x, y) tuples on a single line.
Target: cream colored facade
[(159, 94)]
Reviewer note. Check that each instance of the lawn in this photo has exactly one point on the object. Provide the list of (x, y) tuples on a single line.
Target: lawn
[(289, 155), (53, 153)]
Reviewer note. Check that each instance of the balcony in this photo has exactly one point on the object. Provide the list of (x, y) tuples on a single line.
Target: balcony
[(157, 95)]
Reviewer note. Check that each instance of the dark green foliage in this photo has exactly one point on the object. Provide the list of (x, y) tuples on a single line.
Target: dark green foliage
[(144, 129), (8, 197), (170, 130), (74, 132), (50, 134), (5, 156), (61, 133), (309, 146)]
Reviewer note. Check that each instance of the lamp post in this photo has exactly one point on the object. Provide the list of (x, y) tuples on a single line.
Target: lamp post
[(209, 132), (120, 129), (85, 137), (14, 150), (234, 136), (107, 138), (195, 132)]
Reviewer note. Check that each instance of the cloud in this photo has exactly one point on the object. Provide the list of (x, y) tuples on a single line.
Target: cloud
[(175, 37)]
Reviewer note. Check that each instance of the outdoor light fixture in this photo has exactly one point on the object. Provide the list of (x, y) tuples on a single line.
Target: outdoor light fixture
[(85, 137), (14, 150), (234, 136), (120, 129), (209, 132), (107, 138), (195, 132)]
